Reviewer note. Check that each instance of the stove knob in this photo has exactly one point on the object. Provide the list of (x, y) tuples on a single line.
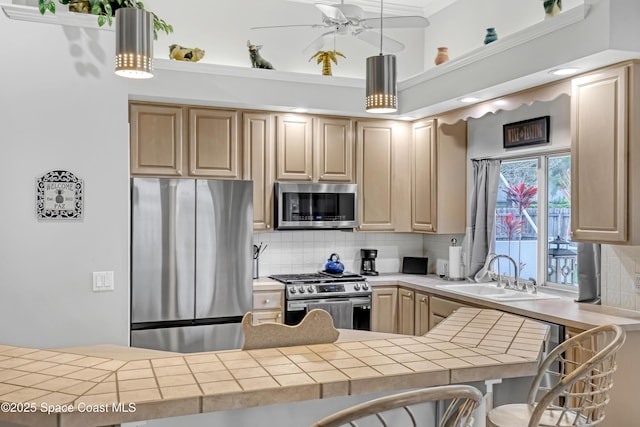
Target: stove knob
[(301, 289), (310, 289), (365, 286), (292, 289), (356, 286)]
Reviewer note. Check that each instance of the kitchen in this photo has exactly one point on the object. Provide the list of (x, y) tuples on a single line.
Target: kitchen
[(52, 305)]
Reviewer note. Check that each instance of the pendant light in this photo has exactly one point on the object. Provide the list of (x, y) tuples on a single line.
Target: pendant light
[(382, 91), (134, 43)]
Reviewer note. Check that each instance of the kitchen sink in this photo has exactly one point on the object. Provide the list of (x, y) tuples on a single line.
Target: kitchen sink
[(491, 292)]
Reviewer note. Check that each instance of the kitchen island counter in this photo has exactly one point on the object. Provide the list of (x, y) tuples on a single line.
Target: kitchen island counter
[(107, 385)]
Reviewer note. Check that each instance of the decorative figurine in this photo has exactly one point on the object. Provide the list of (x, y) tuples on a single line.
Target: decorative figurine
[(326, 56), (552, 7), (442, 55), (257, 61), (181, 53)]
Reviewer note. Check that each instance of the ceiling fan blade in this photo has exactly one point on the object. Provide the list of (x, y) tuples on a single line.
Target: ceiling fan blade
[(397, 22), (317, 43), (287, 26), (332, 13), (373, 38)]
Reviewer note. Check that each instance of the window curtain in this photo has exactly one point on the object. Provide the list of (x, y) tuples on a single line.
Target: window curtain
[(486, 178), (589, 258)]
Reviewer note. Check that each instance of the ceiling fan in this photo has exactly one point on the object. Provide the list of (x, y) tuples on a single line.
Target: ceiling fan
[(350, 19)]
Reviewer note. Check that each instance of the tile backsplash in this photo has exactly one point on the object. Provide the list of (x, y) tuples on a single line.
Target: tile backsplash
[(620, 265), (306, 251)]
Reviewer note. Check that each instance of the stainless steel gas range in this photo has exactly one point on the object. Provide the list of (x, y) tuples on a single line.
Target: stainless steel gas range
[(341, 294)]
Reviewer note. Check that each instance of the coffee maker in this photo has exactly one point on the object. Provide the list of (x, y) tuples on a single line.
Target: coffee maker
[(368, 265)]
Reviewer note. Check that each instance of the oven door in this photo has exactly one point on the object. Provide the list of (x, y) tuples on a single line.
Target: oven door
[(297, 309)]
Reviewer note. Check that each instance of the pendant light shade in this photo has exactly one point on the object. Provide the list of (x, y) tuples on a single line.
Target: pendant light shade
[(134, 43), (382, 89)]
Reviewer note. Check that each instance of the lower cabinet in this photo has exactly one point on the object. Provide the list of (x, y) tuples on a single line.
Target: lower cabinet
[(384, 309), (399, 310), (440, 309), (268, 306)]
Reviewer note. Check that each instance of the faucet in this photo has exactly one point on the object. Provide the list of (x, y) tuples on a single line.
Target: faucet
[(515, 269)]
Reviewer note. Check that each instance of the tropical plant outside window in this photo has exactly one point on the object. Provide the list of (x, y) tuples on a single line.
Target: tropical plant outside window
[(521, 213)]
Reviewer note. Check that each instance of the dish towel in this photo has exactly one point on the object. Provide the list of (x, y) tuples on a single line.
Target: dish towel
[(340, 311)]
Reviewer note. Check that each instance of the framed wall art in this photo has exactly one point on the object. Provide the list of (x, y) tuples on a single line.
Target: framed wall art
[(59, 195), (525, 133)]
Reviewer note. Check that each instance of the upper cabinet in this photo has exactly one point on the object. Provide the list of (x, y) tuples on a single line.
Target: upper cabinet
[(605, 120), (383, 175), (156, 139), (158, 146), (314, 149), (438, 177), (213, 143), (257, 131)]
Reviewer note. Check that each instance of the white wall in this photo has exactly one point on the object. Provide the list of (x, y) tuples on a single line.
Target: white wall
[(222, 30), (62, 108), (471, 18)]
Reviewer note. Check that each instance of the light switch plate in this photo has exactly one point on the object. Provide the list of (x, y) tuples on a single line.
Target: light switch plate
[(103, 281)]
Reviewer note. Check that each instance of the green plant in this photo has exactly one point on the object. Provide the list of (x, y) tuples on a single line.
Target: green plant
[(105, 10)]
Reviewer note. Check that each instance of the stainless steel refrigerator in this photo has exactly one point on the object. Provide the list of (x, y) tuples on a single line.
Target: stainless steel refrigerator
[(191, 263)]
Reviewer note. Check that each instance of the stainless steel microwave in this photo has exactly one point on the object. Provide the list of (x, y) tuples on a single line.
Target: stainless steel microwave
[(303, 205)]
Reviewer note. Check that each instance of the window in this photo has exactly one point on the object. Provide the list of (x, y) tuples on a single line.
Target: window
[(534, 200)]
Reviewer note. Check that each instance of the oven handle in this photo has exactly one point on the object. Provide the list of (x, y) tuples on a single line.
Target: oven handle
[(298, 305)]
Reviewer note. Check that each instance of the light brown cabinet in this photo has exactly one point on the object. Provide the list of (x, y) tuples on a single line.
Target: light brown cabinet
[(605, 204), (438, 177), (268, 306), (440, 309), (257, 134), (156, 139), (314, 149), (158, 146), (421, 311), (383, 175), (213, 143), (384, 309), (399, 310)]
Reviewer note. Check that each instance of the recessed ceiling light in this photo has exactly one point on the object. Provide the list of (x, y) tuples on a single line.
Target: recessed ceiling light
[(299, 110), (563, 71), (407, 118), (469, 99)]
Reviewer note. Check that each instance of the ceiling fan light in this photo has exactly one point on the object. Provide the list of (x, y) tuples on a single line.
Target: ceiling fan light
[(381, 85), (134, 43)]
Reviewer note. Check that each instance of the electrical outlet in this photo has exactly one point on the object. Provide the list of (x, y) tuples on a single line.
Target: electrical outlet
[(636, 282)]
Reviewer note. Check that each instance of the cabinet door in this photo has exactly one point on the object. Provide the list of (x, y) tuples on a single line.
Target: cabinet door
[(406, 311), (421, 323), (269, 316), (384, 309), (156, 139), (598, 157), (440, 309), (294, 148), (423, 167), (259, 162), (213, 143), (333, 145)]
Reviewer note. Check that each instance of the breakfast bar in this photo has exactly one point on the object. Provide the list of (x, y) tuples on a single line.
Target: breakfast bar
[(97, 386)]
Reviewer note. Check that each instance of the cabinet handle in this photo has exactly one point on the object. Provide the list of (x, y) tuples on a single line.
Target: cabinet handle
[(309, 176), (268, 226), (267, 301), (423, 299), (321, 176), (279, 315), (409, 294)]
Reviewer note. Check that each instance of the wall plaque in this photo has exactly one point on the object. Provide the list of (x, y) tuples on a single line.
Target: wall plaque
[(59, 195), (527, 132)]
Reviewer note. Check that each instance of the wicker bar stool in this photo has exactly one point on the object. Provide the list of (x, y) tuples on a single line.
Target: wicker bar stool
[(581, 374), (464, 400)]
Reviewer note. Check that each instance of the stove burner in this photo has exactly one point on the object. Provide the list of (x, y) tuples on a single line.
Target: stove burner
[(319, 277)]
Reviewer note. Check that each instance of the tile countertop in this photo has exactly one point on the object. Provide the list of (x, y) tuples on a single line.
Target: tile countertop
[(563, 311), (105, 385)]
